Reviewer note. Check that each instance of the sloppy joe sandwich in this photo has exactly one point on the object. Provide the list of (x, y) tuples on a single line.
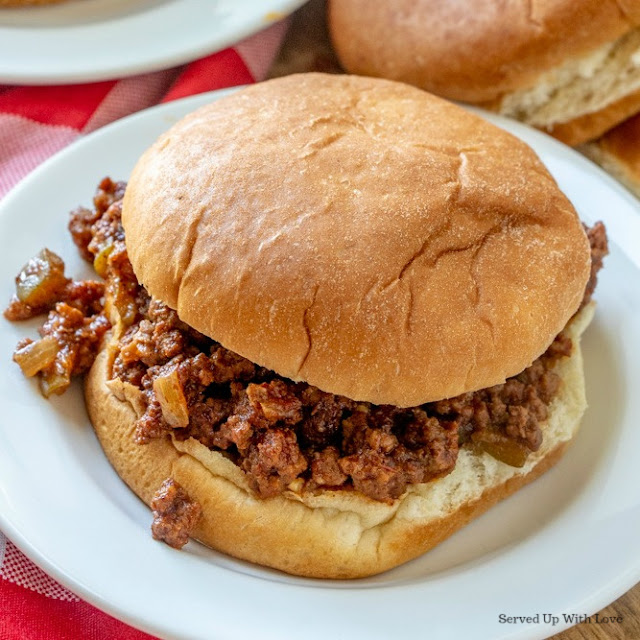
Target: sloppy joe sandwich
[(570, 67), (345, 319)]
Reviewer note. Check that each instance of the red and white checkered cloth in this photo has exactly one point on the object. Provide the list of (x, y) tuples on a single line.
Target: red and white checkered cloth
[(35, 122)]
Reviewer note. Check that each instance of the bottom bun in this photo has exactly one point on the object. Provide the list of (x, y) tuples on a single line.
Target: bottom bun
[(618, 153), (592, 125), (331, 534)]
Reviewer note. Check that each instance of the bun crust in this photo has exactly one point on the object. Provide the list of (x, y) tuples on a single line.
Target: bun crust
[(334, 534), (389, 246), (593, 125), (618, 153), (474, 52)]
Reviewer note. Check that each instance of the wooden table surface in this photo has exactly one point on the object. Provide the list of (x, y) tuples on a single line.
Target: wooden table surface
[(307, 48), (627, 607)]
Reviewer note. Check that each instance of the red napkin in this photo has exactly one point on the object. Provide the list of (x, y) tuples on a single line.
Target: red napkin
[(35, 122)]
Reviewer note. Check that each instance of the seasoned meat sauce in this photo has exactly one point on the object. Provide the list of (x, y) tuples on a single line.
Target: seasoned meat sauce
[(287, 435), (76, 323), (174, 514), (278, 431), (599, 249)]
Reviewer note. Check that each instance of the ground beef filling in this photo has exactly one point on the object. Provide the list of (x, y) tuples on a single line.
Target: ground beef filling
[(290, 436), (599, 249), (174, 514)]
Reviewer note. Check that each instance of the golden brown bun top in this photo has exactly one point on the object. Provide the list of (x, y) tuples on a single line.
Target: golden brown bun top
[(358, 234), (472, 50)]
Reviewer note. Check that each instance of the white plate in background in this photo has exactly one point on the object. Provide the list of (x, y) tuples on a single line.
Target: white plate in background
[(569, 543), (91, 40)]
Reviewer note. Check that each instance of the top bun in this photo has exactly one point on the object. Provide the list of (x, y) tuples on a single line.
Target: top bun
[(358, 234), (473, 51)]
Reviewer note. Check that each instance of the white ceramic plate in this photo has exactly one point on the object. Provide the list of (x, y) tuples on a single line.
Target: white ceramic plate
[(568, 543), (90, 40)]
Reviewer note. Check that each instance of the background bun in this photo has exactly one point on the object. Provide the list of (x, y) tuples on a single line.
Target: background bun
[(333, 534), (618, 153), (358, 234), (546, 63)]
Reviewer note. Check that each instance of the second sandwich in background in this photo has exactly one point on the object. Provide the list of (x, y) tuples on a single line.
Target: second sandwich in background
[(569, 67)]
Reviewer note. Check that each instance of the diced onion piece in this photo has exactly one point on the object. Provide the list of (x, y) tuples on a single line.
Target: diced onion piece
[(101, 261), (41, 279), (296, 485), (36, 356), (508, 451), (127, 311), (170, 395), (53, 382), (124, 303)]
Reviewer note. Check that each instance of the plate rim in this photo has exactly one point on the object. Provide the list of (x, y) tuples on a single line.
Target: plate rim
[(256, 23)]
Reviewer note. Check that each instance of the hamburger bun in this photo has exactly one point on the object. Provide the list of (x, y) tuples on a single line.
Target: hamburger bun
[(571, 68), (333, 268), (371, 240)]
